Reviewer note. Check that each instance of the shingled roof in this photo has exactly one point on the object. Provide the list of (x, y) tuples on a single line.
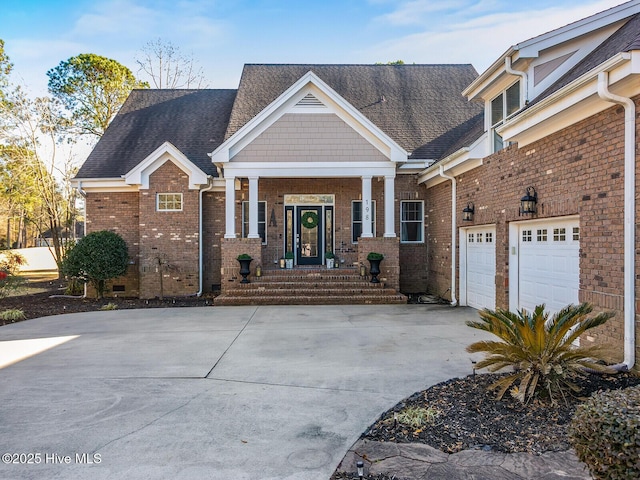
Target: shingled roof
[(194, 121), (626, 38), (419, 106)]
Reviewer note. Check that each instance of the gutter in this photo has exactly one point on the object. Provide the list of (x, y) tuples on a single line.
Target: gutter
[(200, 241), (454, 300), (629, 216), (523, 75)]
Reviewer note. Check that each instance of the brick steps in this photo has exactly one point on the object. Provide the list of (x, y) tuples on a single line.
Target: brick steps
[(310, 286)]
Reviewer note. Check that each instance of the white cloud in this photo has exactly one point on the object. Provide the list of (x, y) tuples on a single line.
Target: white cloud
[(481, 39)]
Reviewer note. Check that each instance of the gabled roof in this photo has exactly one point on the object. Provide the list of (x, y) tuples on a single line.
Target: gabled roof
[(418, 106), (194, 121), (625, 39)]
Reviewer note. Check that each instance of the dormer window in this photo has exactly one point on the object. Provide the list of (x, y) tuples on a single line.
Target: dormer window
[(502, 107)]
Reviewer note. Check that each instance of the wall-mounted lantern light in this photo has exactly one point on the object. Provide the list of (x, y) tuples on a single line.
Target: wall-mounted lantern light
[(528, 202), (467, 212)]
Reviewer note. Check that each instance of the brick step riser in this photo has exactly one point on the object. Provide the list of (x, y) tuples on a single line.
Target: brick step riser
[(317, 300), (311, 292), (311, 284)]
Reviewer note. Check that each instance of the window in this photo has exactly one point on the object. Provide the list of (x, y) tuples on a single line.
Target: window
[(576, 233), (479, 237), (503, 106), (489, 237), (411, 222), (262, 220), (542, 234), (526, 236), (356, 219), (471, 238), (559, 234), (169, 202)]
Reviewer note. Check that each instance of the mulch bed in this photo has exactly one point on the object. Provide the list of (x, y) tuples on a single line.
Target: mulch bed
[(471, 418), (35, 305)]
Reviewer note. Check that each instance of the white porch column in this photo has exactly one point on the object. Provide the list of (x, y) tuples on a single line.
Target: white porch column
[(389, 207), (366, 207), (253, 208), (230, 207)]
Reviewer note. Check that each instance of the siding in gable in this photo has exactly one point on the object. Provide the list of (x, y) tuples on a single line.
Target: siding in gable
[(308, 137)]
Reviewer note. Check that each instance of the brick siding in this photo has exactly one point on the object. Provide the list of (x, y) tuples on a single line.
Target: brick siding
[(579, 170)]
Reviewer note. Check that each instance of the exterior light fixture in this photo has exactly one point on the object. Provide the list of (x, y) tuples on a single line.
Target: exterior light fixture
[(467, 212), (528, 202), (360, 466)]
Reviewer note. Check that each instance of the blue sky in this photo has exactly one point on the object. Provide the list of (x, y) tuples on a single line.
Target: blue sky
[(224, 34)]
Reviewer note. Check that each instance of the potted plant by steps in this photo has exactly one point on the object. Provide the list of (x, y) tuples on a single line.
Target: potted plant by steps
[(245, 262), (329, 258), (374, 265), (288, 258)]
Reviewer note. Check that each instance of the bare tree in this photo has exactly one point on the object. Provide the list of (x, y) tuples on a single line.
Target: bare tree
[(168, 67)]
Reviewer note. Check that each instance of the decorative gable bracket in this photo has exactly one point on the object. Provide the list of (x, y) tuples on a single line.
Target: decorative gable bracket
[(165, 152)]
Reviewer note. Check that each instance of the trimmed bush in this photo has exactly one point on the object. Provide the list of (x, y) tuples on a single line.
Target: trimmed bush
[(605, 432), (96, 258)]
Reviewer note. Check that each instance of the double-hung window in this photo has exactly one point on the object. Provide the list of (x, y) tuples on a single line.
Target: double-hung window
[(169, 202), (411, 221), (356, 219), (262, 220), (503, 106)]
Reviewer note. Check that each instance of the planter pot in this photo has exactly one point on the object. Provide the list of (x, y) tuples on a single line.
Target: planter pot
[(245, 270), (289, 262), (330, 262), (374, 270)]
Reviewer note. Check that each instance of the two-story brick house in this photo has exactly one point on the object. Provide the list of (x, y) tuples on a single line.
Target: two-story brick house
[(427, 164)]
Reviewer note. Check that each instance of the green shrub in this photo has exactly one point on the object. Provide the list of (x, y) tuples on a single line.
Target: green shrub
[(109, 306), (539, 349), (375, 256), (288, 255), (329, 255), (96, 258), (10, 264), (244, 256), (605, 432), (12, 315)]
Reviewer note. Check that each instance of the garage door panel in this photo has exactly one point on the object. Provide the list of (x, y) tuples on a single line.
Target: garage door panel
[(480, 267), (548, 264)]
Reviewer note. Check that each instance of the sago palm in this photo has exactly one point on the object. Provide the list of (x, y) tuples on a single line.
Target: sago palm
[(539, 349)]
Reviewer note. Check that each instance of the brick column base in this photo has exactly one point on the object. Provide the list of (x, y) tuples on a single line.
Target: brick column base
[(390, 266), (231, 248)]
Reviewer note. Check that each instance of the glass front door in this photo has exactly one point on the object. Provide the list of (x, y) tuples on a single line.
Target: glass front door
[(309, 238), (308, 232)]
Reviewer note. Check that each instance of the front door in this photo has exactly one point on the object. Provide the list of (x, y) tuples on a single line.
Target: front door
[(309, 235)]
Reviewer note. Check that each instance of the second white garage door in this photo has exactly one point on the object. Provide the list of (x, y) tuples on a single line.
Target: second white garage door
[(549, 263), (480, 267)]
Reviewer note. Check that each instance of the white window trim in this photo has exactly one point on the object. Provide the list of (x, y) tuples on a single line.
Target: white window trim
[(245, 233), (422, 235), (505, 116), (373, 220), (158, 209)]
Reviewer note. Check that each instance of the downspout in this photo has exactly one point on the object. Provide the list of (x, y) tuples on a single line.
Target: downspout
[(525, 80), (454, 300), (629, 216), (200, 241)]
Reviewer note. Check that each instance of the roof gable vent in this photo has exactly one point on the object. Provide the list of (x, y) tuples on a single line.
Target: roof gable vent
[(310, 101)]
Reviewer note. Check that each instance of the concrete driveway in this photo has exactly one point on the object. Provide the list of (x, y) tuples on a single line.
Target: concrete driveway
[(264, 392)]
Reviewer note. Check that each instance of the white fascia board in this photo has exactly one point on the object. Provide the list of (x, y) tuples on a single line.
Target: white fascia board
[(457, 163), (531, 48), (309, 83), (309, 169), (139, 175), (103, 185), (572, 103)]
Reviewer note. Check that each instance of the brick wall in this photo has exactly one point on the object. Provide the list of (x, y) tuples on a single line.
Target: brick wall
[(390, 265), (231, 248), (117, 212), (579, 170), (169, 243)]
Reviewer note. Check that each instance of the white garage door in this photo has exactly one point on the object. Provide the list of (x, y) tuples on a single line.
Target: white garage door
[(549, 265), (481, 267)]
